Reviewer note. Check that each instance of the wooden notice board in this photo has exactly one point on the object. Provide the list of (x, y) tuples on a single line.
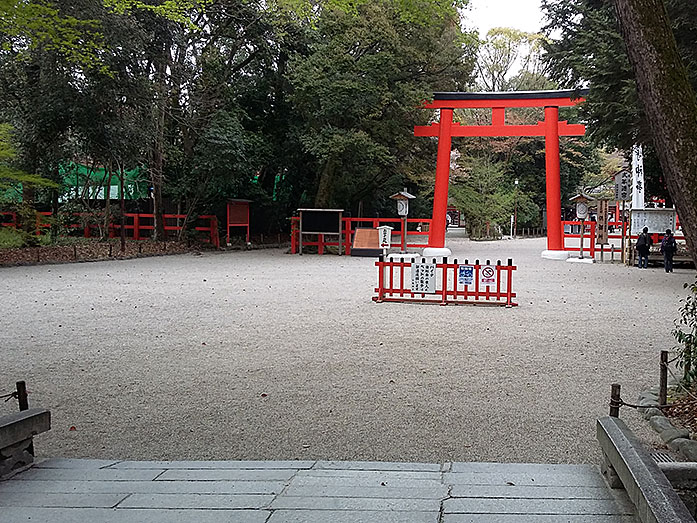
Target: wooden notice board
[(366, 242), (321, 221)]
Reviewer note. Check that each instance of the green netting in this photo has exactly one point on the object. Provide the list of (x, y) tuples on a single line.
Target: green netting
[(93, 181)]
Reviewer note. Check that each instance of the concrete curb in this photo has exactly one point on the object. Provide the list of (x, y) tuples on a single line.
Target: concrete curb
[(676, 438)]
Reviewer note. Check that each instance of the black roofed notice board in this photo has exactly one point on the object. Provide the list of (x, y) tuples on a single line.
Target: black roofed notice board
[(321, 221)]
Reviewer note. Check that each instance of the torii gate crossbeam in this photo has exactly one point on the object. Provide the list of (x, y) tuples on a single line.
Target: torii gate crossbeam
[(551, 128)]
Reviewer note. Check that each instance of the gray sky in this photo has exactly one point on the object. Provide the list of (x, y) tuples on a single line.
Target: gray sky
[(524, 15)]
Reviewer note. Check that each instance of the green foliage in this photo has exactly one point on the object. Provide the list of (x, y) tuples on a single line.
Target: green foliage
[(358, 94), (12, 180), (501, 50), (588, 51), (685, 333), (12, 238), (32, 25)]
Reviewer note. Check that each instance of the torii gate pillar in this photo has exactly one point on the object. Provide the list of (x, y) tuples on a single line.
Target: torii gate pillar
[(551, 129)]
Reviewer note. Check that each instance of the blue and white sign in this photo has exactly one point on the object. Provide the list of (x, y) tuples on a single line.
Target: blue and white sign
[(465, 274)]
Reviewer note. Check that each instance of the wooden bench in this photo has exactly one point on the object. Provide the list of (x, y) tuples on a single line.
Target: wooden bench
[(627, 464), (17, 433)]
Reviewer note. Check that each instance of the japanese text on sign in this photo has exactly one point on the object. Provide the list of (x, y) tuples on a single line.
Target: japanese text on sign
[(423, 278), (488, 275), (623, 186), (465, 274), (385, 237)]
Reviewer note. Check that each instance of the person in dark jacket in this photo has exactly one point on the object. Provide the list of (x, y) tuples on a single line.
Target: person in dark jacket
[(643, 246), (668, 248)]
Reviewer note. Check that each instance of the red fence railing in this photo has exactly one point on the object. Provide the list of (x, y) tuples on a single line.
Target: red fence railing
[(138, 225), (349, 226), (588, 233), (417, 280)]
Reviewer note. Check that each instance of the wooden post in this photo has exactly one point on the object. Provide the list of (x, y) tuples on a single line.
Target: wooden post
[(615, 400), (22, 395), (663, 383)]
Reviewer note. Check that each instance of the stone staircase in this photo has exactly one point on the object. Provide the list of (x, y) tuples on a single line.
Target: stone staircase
[(97, 491)]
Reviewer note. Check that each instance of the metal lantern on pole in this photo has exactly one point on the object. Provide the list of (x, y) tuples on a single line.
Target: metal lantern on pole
[(402, 199), (582, 201)]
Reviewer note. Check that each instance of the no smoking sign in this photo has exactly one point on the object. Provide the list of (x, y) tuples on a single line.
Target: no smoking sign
[(487, 275)]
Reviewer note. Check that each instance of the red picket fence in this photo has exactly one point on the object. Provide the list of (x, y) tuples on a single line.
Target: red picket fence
[(349, 226), (139, 226), (488, 284), (588, 234)]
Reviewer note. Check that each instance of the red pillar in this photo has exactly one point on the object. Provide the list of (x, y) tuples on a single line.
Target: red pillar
[(553, 185), (436, 237)]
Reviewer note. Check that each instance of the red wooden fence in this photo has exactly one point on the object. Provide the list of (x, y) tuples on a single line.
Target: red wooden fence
[(349, 226), (138, 225), (588, 234), (485, 284)]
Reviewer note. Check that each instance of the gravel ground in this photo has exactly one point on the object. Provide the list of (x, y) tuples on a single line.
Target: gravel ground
[(264, 355)]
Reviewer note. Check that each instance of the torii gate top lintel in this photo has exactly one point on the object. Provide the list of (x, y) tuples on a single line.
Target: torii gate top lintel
[(551, 128), (473, 100)]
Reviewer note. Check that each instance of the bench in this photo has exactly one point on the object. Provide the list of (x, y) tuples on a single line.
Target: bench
[(16, 439)]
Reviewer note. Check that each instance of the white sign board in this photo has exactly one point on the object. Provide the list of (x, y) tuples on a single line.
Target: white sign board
[(423, 278), (385, 236), (465, 274), (487, 275), (657, 220), (403, 207), (623, 186)]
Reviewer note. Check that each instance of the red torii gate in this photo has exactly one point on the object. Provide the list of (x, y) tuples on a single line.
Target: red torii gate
[(498, 102)]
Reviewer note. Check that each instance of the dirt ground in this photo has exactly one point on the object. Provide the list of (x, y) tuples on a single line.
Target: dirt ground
[(265, 355)]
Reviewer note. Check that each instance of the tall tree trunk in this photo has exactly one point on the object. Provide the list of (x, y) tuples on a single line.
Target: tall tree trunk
[(668, 100), (122, 199), (107, 203), (157, 168), (324, 188)]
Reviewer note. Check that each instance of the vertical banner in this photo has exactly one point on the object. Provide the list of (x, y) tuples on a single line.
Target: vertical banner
[(602, 223), (637, 177)]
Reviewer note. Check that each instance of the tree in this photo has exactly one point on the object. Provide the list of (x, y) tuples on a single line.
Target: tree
[(358, 93), (668, 100), (504, 49), (587, 50)]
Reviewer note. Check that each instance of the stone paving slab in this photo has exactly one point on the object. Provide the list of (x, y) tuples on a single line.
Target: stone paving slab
[(522, 518), (495, 491), (196, 501), (383, 492), (43, 515), (327, 503), (560, 507), (370, 474), (375, 481), (65, 500), (329, 516), (144, 487), (377, 465), (61, 463), (223, 474), (583, 479), (526, 468), (222, 465), (40, 474)]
